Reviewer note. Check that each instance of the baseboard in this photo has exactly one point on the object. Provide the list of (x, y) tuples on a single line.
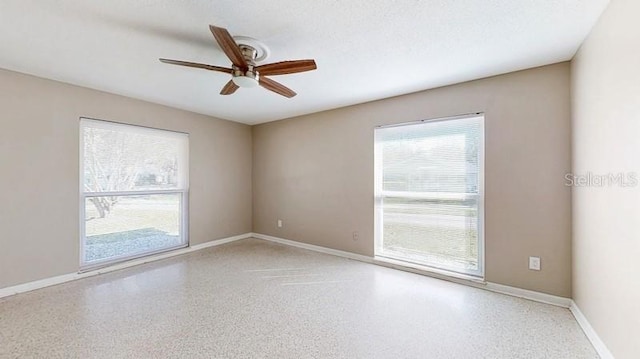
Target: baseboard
[(311, 247), (429, 272), (482, 284), (494, 287), (217, 242), (42, 283), (529, 294), (591, 334)]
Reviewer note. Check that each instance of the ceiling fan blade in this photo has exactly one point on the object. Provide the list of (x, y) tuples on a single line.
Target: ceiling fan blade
[(196, 65), (276, 87), (229, 88), (286, 67), (229, 46)]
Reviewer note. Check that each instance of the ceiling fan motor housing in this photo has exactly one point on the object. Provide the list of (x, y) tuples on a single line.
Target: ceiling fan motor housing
[(246, 77)]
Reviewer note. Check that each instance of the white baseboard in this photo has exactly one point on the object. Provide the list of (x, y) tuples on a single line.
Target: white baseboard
[(217, 242), (29, 286), (26, 287), (529, 294), (591, 334), (429, 272), (494, 287), (311, 247)]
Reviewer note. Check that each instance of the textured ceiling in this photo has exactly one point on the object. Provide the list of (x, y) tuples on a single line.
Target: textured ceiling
[(365, 49)]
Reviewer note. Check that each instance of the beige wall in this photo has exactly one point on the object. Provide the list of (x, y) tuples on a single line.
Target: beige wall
[(315, 172), (606, 139), (39, 171)]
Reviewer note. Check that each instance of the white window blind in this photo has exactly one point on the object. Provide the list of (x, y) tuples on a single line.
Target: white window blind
[(134, 186), (429, 200)]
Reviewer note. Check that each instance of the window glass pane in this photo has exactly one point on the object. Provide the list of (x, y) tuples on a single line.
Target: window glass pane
[(127, 158), (429, 194), (130, 225), (442, 233), (441, 156)]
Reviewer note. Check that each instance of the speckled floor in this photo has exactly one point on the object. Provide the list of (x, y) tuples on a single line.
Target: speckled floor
[(254, 299)]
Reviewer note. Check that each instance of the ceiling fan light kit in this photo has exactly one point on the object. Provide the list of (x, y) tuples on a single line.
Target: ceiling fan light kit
[(244, 52), (246, 77)]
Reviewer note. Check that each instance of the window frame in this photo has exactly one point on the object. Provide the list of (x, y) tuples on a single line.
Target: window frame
[(183, 192), (379, 196)]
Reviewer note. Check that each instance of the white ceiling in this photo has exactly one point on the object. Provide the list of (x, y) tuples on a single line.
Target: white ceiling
[(365, 49)]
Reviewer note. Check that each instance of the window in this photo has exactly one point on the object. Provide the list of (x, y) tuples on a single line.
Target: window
[(134, 191), (429, 193)]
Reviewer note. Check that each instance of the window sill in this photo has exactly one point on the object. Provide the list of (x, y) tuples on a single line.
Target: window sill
[(427, 271)]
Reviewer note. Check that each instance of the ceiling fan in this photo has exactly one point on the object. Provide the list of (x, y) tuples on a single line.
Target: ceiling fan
[(243, 69)]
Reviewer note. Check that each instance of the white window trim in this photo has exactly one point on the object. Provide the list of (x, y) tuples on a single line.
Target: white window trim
[(379, 195), (183, 192)]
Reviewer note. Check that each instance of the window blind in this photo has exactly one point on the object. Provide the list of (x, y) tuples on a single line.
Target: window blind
[(429, 193), (134, 191)]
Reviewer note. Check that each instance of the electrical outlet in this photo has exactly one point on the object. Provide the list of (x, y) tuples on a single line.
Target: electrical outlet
[(279, 223), (356, 236), (534, 263)]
